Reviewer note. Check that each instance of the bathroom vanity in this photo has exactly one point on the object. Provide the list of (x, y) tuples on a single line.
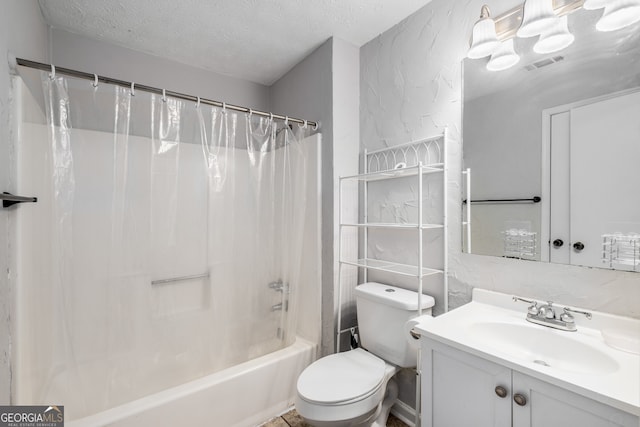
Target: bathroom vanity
[(483, 365)]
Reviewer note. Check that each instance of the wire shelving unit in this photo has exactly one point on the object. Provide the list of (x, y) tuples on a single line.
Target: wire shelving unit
[(416, 159)]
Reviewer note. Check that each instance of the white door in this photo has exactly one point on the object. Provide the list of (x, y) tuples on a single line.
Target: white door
[(603, 173)]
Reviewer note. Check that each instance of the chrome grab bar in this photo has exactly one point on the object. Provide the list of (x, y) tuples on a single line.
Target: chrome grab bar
[(179, 279)]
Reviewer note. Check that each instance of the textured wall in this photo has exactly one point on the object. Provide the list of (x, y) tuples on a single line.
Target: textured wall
[(411, 86)]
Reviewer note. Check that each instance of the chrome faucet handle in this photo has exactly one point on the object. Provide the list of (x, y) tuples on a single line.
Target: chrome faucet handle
[(567, 317), (547, 311), (568, 311), (533, 308)]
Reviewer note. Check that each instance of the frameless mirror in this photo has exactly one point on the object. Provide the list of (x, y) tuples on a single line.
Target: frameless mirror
[(552, 146)]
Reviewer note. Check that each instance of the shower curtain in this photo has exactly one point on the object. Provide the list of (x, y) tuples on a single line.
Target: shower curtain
[(169, 243)]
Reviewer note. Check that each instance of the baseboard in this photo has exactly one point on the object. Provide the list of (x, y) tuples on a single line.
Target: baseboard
[(405, 413)]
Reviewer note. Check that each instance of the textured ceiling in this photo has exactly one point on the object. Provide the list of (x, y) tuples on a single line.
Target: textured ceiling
[(256, 40)]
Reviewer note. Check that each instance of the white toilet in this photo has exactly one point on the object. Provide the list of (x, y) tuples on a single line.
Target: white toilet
[(355, 388)]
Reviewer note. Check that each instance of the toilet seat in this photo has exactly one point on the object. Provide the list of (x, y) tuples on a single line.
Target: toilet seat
[(342, 378)]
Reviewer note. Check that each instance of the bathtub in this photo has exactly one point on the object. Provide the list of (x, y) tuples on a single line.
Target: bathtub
[(244, 395)]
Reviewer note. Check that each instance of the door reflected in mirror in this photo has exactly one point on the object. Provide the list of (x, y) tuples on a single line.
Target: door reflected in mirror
[(553, 149)]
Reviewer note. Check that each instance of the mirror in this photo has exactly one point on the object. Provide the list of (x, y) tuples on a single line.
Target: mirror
[(553, 149)]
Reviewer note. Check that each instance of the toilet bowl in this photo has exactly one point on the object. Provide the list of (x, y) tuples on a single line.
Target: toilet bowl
[(356, 388), (346, 390)]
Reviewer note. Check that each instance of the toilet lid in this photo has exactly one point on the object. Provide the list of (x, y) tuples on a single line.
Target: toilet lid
[(341, 377)]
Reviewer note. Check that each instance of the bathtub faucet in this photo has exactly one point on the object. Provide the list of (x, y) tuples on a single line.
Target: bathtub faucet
[(279, 286)]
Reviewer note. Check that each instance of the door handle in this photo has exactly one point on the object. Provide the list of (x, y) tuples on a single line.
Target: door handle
[(558, 243), (578, 246)]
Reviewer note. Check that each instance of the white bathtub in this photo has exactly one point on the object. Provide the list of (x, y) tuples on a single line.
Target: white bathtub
[(241, 396)]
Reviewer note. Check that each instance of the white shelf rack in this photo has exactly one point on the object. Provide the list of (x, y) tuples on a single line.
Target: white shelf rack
[(393, 267), (414, 159), (394, 225)]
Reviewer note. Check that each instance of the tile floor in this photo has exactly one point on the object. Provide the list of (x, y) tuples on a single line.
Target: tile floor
[(292, 419)]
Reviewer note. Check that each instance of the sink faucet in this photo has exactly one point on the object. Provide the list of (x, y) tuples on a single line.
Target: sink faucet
[(546, 315)]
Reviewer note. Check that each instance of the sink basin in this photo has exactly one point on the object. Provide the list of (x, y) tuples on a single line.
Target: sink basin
[(544, 346)]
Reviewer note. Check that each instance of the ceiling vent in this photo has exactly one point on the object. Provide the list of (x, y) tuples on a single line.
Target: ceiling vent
[(543, 63)]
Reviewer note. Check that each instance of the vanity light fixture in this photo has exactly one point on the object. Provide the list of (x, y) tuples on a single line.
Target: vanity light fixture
[(504, 57), (538, 17), (619, 14), (484, 39), (544, 18), (556, 38)]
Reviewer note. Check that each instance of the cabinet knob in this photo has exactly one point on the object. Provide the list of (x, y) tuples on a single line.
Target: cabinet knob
[(558, 243), (578, 246), (501, 391), (520, 399)]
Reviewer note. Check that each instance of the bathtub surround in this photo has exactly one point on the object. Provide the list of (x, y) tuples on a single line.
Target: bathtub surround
[(212, 401), (147, 231)]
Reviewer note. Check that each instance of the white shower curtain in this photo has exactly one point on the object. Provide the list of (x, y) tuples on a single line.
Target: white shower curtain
[(171, 243)]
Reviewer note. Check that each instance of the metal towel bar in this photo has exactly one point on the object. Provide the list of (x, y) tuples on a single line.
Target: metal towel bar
[(534, 199)]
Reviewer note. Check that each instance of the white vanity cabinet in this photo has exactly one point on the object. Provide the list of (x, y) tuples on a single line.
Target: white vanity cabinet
[(463, 390), (551, 406)]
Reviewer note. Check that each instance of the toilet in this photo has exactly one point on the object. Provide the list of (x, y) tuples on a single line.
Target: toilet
[(355, 388)]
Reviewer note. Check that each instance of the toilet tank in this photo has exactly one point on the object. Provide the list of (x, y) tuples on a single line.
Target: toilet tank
[(383, 311)]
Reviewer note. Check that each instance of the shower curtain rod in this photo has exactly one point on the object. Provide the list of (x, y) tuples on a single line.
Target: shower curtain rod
[(98, 78)]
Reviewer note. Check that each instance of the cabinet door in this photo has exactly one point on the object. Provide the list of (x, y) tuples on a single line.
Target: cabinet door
[(594, 171), (551, 406), (458, 390)]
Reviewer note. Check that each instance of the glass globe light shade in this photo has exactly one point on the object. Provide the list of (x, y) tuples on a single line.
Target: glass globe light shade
[(619, 14), (504, 57), (557, 38), (484, 40), (538, 17)]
